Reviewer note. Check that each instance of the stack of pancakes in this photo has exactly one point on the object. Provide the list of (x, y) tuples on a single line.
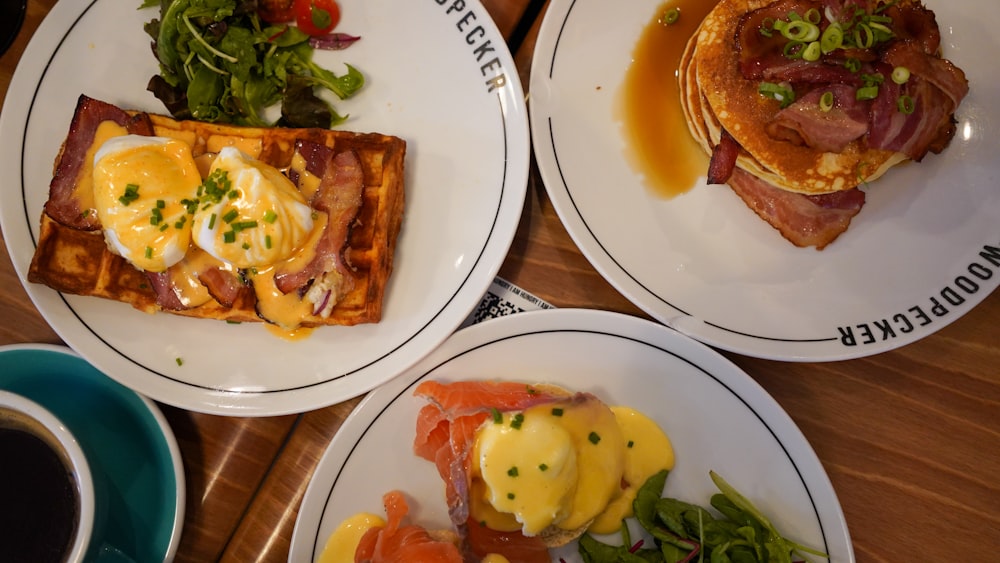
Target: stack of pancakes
[(716, 96)]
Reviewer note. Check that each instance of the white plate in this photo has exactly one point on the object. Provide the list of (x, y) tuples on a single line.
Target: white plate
[(923, 252), (716, 416), (429, 77)]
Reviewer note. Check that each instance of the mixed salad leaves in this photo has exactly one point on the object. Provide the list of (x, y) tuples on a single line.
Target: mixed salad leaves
[(684, 532), (221, 62)]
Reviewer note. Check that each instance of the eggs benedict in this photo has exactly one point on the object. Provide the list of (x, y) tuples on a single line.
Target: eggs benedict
[(296, 228), (534, 466)]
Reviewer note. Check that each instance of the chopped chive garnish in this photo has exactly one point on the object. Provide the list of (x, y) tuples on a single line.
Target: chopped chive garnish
[(229, 237), (516, 422), (594, 437), (270, 216), (243, 225), (630, 443), (557, 412), (543, 467), (510, 496), (156, 216), (131, 194), (512, 471), (164, 227), (211, 222), (160, 204), (246, 246), (267, 242), (497, 417), (231, 216), (179, 361), (149, 252)]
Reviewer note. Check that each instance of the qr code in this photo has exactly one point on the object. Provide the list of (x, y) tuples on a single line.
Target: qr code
[(492, 306)]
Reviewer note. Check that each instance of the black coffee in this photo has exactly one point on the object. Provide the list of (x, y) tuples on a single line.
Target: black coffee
[(38, 501)]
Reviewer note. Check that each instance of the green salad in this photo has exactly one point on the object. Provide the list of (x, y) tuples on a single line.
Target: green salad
[(220, 62), (684, 532)]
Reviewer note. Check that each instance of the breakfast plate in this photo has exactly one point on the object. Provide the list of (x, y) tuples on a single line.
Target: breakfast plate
[(716, 416), (923, 252), (455, 97), (132, 453)]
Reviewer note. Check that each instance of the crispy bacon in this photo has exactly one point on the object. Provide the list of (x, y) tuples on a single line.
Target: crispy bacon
[(62, 204), (805, 123), (763, 58), (223, 285), (166, 296), (803, 220), (723, 161), (914, 22), (339, 196), (935, 87)]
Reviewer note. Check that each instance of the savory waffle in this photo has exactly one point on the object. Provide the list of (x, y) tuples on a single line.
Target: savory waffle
[(77, 261)]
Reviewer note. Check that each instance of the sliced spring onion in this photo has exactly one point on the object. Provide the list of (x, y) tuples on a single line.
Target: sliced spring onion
[(852, 64), (867, 92), (900, 74), (671, 16), (800, 30), (766, 27), (813, 16), (826, 101), (779, 92), (832, 38), (811, 52), (905, 104), (793, 49), (864, 37)]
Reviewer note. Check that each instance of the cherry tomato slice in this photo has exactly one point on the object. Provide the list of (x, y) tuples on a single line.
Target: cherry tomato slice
[(316, 17)]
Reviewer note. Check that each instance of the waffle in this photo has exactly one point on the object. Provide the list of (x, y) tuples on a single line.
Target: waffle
[(77, 261)]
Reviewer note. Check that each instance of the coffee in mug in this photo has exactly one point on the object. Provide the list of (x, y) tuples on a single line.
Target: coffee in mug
[(42, 514)]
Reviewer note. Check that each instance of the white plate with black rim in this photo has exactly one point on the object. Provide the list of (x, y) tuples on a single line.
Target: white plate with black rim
[(924, 250), (441, 79), (716, 416)]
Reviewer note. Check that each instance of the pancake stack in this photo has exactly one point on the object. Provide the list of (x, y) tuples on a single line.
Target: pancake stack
[(715, 97)]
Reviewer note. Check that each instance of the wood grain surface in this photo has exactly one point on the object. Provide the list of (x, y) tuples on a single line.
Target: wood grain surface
[(910, 438)]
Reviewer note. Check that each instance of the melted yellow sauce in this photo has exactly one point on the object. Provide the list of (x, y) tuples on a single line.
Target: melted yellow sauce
[(343, 542), (659, 143)]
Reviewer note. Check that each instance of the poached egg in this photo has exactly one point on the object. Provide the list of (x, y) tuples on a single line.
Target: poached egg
[(154, 204), (556, 469), (141, 189)]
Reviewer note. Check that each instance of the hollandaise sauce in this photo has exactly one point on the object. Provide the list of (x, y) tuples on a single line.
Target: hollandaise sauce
[(563, 465), (343, 542)]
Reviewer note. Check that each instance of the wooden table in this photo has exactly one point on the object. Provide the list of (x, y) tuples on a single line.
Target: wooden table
[(910, 438)]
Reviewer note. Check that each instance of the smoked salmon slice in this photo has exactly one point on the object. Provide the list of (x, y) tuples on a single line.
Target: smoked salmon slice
[(445, 431), (398, 543)]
